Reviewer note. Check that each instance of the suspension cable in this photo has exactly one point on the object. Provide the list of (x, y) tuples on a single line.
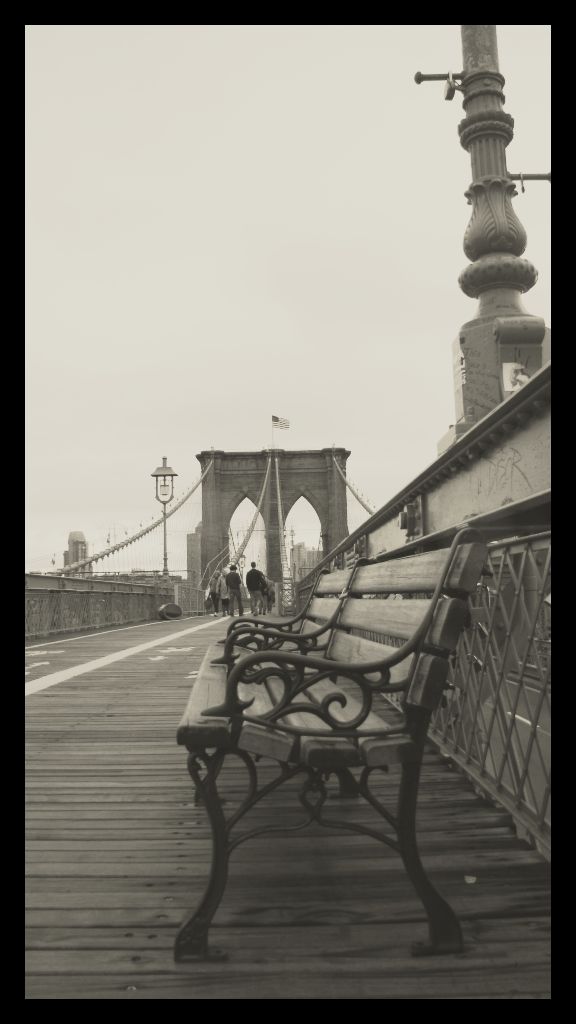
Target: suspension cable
[(364, 504), (141, 533), (287, 588), (283, 555), (219, 558), (252, 526)]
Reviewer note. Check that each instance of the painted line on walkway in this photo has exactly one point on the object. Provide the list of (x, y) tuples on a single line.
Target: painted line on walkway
[(38, 654), (108, 659), (121, 629)]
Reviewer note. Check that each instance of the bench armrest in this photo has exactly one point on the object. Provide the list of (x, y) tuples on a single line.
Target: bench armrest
[(255, 620)]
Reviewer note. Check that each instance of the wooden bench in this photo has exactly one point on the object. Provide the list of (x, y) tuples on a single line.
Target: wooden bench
[(320, 698)]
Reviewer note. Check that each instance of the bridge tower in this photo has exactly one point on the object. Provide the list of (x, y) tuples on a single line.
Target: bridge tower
[(238, 475)]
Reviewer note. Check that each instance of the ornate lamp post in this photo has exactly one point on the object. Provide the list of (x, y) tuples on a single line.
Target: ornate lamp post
[(164, 494), (503, 345)]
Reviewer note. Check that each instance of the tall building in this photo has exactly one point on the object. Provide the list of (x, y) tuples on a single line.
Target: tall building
[(303, 560), (77, 550), (193, 556)]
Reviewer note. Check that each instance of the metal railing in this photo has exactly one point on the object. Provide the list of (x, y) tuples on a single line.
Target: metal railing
[(494, 722), (49, 611), (191, 599)]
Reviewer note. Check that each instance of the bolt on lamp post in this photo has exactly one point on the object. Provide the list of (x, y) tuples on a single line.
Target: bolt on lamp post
[(164, 494)]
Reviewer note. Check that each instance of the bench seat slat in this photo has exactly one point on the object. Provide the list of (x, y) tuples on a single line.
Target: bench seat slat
[(317, 751), (373, 751), (257, 739), (378, 751), (332, 751), (271, 740)]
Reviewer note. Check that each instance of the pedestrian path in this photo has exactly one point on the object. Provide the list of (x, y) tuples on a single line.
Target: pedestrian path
[(117, 852)]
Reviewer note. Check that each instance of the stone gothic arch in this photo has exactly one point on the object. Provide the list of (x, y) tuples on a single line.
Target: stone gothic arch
[(244, 513), (238, 475)]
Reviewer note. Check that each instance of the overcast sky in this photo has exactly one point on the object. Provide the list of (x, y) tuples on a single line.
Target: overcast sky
[(230, 222)]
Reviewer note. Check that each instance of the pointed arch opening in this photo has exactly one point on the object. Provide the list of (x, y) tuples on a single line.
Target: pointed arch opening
[(240, 523), (303, 538)]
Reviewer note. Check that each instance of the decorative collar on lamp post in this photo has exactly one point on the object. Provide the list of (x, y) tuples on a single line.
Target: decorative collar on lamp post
[(164, 482)]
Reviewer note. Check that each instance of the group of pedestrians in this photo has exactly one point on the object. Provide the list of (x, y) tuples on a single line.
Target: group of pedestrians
[(225, 590)]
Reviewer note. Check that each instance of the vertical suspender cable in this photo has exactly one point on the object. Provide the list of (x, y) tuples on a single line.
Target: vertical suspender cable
[(287, 587)]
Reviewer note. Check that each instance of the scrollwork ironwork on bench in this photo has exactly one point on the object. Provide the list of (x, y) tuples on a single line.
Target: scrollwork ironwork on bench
[(271, 639), (295, 681), (204, 770), (290, 667), (296, 685), (313, 796)]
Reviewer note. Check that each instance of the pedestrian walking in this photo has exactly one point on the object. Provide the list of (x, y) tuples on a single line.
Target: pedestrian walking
[(214, 594), (234, 584), (223, 594), (256, 584)]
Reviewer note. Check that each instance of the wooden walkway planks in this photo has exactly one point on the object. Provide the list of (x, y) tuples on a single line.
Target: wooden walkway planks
[(118, 851)]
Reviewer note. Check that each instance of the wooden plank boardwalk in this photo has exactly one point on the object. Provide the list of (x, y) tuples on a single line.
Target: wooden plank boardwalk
[(117, 851)]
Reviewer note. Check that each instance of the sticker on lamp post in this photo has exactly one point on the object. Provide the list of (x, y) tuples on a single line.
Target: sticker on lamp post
[(514, 376)]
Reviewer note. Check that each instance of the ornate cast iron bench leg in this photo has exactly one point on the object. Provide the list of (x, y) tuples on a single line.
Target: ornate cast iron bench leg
[(443, 925), (192, 938)]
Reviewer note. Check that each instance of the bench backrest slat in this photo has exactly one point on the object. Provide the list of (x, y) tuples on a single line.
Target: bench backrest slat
[(429, 677), (368, 607), (413, 573), (396, 618)]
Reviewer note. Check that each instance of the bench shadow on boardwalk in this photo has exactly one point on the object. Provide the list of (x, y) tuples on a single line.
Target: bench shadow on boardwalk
[(118, 851)]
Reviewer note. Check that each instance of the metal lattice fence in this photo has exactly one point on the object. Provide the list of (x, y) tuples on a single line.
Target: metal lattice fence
[(495, 721), (190, 599)]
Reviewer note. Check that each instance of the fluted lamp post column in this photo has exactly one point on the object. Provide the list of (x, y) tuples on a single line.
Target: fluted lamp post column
[(164, 494), (503, 345)]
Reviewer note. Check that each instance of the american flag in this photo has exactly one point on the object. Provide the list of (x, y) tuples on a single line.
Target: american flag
[(280, 423)]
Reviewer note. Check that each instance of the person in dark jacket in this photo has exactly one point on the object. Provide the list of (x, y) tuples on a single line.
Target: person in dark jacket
[(234, 584), (256, 584)]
